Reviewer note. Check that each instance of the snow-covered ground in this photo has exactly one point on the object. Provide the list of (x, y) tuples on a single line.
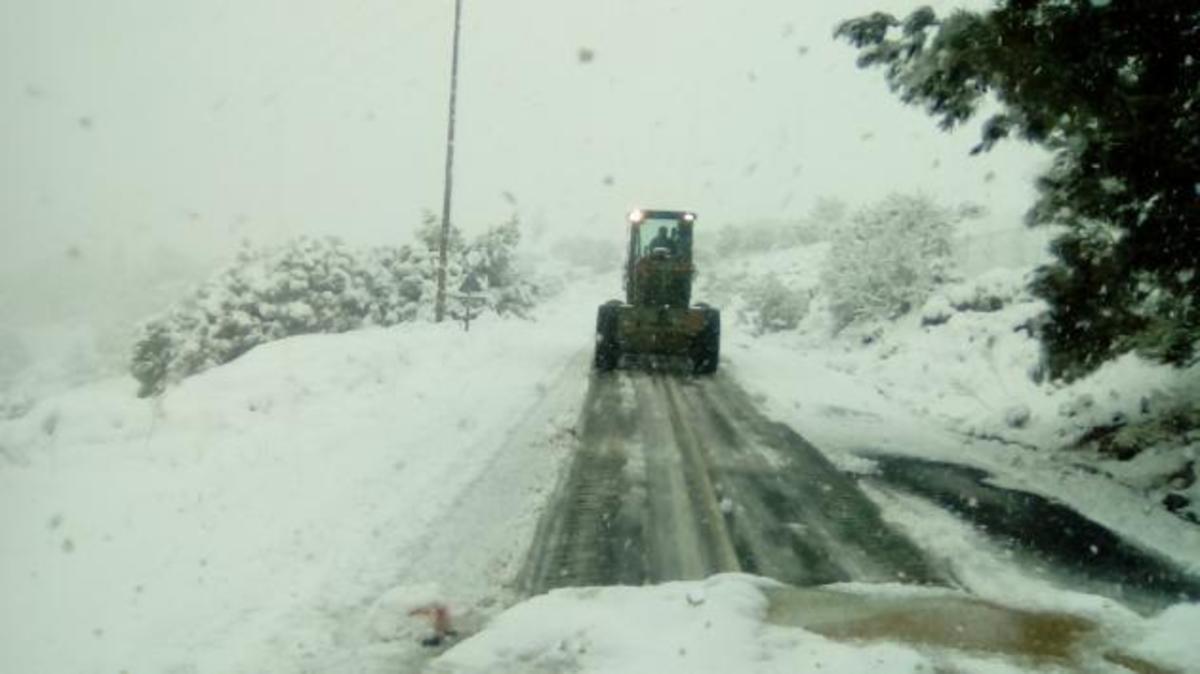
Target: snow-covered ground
[(249, 520), (737, 623), (287, 511), (958, 380), (849, 414)]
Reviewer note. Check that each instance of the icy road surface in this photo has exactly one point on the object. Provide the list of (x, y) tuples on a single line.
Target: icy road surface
[(677, 478), (1038, 533)]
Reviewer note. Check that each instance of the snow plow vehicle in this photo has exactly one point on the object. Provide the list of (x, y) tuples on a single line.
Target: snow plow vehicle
[(657, 320)]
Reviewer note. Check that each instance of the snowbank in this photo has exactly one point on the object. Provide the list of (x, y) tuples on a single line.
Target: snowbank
[(718, 626), (959, 379), (251, 518), (299, 508), (740, 623)]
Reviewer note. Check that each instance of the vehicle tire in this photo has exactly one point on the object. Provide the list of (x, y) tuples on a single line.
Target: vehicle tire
[(706, 353), (608, 351)]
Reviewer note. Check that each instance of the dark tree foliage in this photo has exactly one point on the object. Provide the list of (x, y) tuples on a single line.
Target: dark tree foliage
[(1112, 89)]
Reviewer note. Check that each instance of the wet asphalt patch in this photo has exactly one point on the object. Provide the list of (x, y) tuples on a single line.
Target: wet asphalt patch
[(1076, 550)]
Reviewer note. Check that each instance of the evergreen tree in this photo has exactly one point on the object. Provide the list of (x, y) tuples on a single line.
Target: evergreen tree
[(1112, 89)]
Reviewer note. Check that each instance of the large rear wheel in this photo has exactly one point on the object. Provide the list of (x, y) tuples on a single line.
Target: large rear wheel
[(608, 351), (706, 350)]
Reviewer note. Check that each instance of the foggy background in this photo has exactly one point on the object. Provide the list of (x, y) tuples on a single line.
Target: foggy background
[(142, 140)]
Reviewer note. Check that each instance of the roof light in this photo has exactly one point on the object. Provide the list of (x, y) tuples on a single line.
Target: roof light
[(636, 216), (689, 217)]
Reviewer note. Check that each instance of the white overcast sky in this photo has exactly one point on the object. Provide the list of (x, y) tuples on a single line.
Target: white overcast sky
[(130, 129)]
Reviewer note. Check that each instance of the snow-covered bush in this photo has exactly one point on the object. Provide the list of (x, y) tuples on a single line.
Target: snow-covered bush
[(937, 310), (771, 306), (322, 286), (989, 292), (887, 259), (491, 258), (1017, 416), (305, 286)]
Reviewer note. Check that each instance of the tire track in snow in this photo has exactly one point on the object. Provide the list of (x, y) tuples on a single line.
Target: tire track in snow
[(586, 517), (679, 478), (811, 523)]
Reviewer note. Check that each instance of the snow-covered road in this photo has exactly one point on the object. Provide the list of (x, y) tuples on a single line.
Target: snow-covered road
[(285, 512), (678, 478)]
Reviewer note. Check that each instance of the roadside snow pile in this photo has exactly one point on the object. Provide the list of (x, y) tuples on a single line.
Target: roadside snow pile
[(968, 360), (249, 519), (1170, 638), (741, 623), (718, 626)]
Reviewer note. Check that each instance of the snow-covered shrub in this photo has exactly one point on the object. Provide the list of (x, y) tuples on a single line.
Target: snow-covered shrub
[(771, 306), (305, 286), (430, 232), (491, 259), (1076, 405), (1170, 426), (1017, 416), (937, 310), (887, 259), (991, 291), (322, 286)]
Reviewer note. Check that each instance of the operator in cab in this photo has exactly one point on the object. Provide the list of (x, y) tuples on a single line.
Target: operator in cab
[(663, 240)]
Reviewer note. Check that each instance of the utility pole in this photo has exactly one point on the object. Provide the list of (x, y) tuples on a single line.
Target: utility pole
[(440, 305)]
